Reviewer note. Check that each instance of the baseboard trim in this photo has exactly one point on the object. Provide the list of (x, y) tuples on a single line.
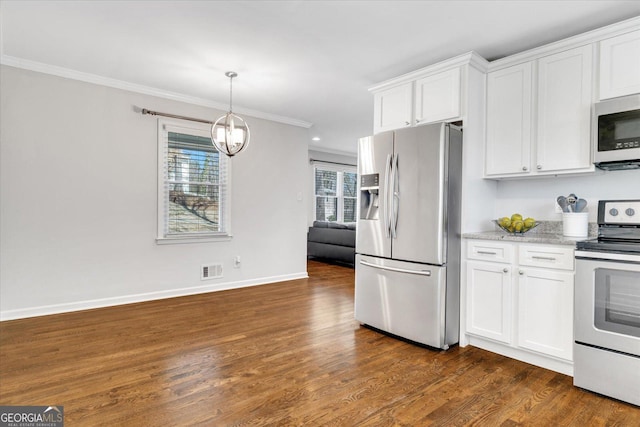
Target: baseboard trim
[(136, 298), (548, 362)]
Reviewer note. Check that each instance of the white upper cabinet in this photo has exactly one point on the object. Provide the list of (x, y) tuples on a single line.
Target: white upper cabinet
[(392, 108), (439, 92), (553, 138), (437, 97), (564, 111), (428, 99), (509, 100), (620, 65)]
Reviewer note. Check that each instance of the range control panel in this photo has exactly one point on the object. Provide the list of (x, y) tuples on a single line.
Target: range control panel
[(619, 212)]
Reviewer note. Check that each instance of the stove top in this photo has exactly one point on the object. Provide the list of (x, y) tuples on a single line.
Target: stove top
[(615, 246), (618, 228)]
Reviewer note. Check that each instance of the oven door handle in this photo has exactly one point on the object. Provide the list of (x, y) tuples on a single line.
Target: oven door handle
[(607, 256)]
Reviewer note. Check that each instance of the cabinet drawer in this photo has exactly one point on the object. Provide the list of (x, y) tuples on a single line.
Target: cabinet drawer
[(490, 251), (560, 257)]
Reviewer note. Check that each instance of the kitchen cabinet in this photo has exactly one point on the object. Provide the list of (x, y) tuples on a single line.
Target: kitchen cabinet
[(437, 97), (560, 86), (519, 300), (439, 92), (509, 103), (620, 65), (432, 98), (489, 300), (563, 140), (545, 311), (392, 108), (545, 299)]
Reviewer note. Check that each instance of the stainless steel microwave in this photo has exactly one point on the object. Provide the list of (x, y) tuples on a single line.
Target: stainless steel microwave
[(616, 133)]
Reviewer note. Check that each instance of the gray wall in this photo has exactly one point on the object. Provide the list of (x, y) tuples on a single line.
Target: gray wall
[(78, 201)]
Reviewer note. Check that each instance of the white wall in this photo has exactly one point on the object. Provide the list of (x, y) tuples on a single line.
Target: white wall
[(478, 194), (536, 197), (78, 201)]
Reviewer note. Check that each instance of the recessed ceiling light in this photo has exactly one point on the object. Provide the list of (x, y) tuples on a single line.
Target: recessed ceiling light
[(315, 138)]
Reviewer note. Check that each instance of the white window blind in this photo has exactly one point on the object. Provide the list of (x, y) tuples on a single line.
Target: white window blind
[(193, 194), (335, 192)]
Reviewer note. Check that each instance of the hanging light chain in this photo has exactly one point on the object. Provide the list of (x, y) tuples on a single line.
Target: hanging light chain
[(231, 75)]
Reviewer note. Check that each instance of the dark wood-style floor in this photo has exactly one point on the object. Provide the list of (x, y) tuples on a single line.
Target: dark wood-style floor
[(285, 354)]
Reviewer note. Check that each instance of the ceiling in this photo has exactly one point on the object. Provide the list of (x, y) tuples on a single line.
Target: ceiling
[(303, 62)]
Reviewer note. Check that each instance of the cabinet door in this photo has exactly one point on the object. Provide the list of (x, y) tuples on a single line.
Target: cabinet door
[(545, 311), (392, 108), (509, 100), (489, 300), (620, 65), (564, 111), (438, 97)]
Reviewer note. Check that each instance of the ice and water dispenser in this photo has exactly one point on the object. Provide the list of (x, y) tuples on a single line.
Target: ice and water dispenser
[(369, 196)]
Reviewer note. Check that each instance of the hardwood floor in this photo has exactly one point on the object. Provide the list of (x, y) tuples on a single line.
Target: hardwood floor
[(285, 354)]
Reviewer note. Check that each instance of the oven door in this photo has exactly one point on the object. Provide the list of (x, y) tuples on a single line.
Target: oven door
[(607, 302)]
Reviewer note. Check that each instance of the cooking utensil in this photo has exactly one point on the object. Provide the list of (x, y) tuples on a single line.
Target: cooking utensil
[(562, 202), (571, 201), (580, 205)]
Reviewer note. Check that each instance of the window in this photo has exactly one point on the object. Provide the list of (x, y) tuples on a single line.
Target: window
[(335, 193), (193, 184)]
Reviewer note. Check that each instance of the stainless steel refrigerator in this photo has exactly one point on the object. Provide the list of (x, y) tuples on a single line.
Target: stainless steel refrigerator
[(408, 233)]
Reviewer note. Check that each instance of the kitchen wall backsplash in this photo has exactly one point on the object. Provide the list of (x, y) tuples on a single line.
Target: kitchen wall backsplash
[(536, 198)]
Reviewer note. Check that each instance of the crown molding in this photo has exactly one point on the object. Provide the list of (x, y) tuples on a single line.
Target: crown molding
[(589, 37), (145, 90), (469, 58), (327, 150)]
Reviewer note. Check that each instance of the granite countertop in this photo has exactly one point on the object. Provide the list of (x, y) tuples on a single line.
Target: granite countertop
[(549, 232)]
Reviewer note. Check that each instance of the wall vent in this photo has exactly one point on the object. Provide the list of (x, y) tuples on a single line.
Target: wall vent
[(211, 271)]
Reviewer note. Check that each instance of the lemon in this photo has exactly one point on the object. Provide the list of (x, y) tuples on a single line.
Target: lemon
[(516, 217), (518, 225), (528, 223), (505, 222)]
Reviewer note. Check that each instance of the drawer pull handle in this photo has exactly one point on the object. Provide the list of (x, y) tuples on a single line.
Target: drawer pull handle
[(505, 270), (487, 253), (545, 258)]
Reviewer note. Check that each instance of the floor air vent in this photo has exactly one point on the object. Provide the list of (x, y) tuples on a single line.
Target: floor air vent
[(211, 271)]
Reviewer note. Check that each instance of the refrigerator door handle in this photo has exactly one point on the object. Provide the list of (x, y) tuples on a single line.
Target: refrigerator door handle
[(398, 270), (395, 198), (385, 211)]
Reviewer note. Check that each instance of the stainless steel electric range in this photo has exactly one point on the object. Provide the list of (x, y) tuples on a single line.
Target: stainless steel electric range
[(607, 304)]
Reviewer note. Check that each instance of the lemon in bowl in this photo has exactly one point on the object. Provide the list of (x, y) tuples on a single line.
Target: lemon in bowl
[(515, 224)]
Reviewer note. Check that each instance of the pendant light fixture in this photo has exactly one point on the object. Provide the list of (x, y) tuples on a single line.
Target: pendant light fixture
[(230, 133)]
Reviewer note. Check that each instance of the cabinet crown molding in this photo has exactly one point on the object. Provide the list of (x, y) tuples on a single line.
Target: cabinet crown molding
[(470, 58), (582, 39)]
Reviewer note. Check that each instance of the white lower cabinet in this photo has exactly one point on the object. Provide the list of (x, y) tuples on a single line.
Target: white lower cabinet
[(519, 301), (489, 300), (545, 311)]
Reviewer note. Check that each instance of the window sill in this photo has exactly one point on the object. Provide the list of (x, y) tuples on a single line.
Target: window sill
[(192, 239)]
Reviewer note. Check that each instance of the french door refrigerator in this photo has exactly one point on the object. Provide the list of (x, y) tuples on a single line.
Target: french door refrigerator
[(408, 233)]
